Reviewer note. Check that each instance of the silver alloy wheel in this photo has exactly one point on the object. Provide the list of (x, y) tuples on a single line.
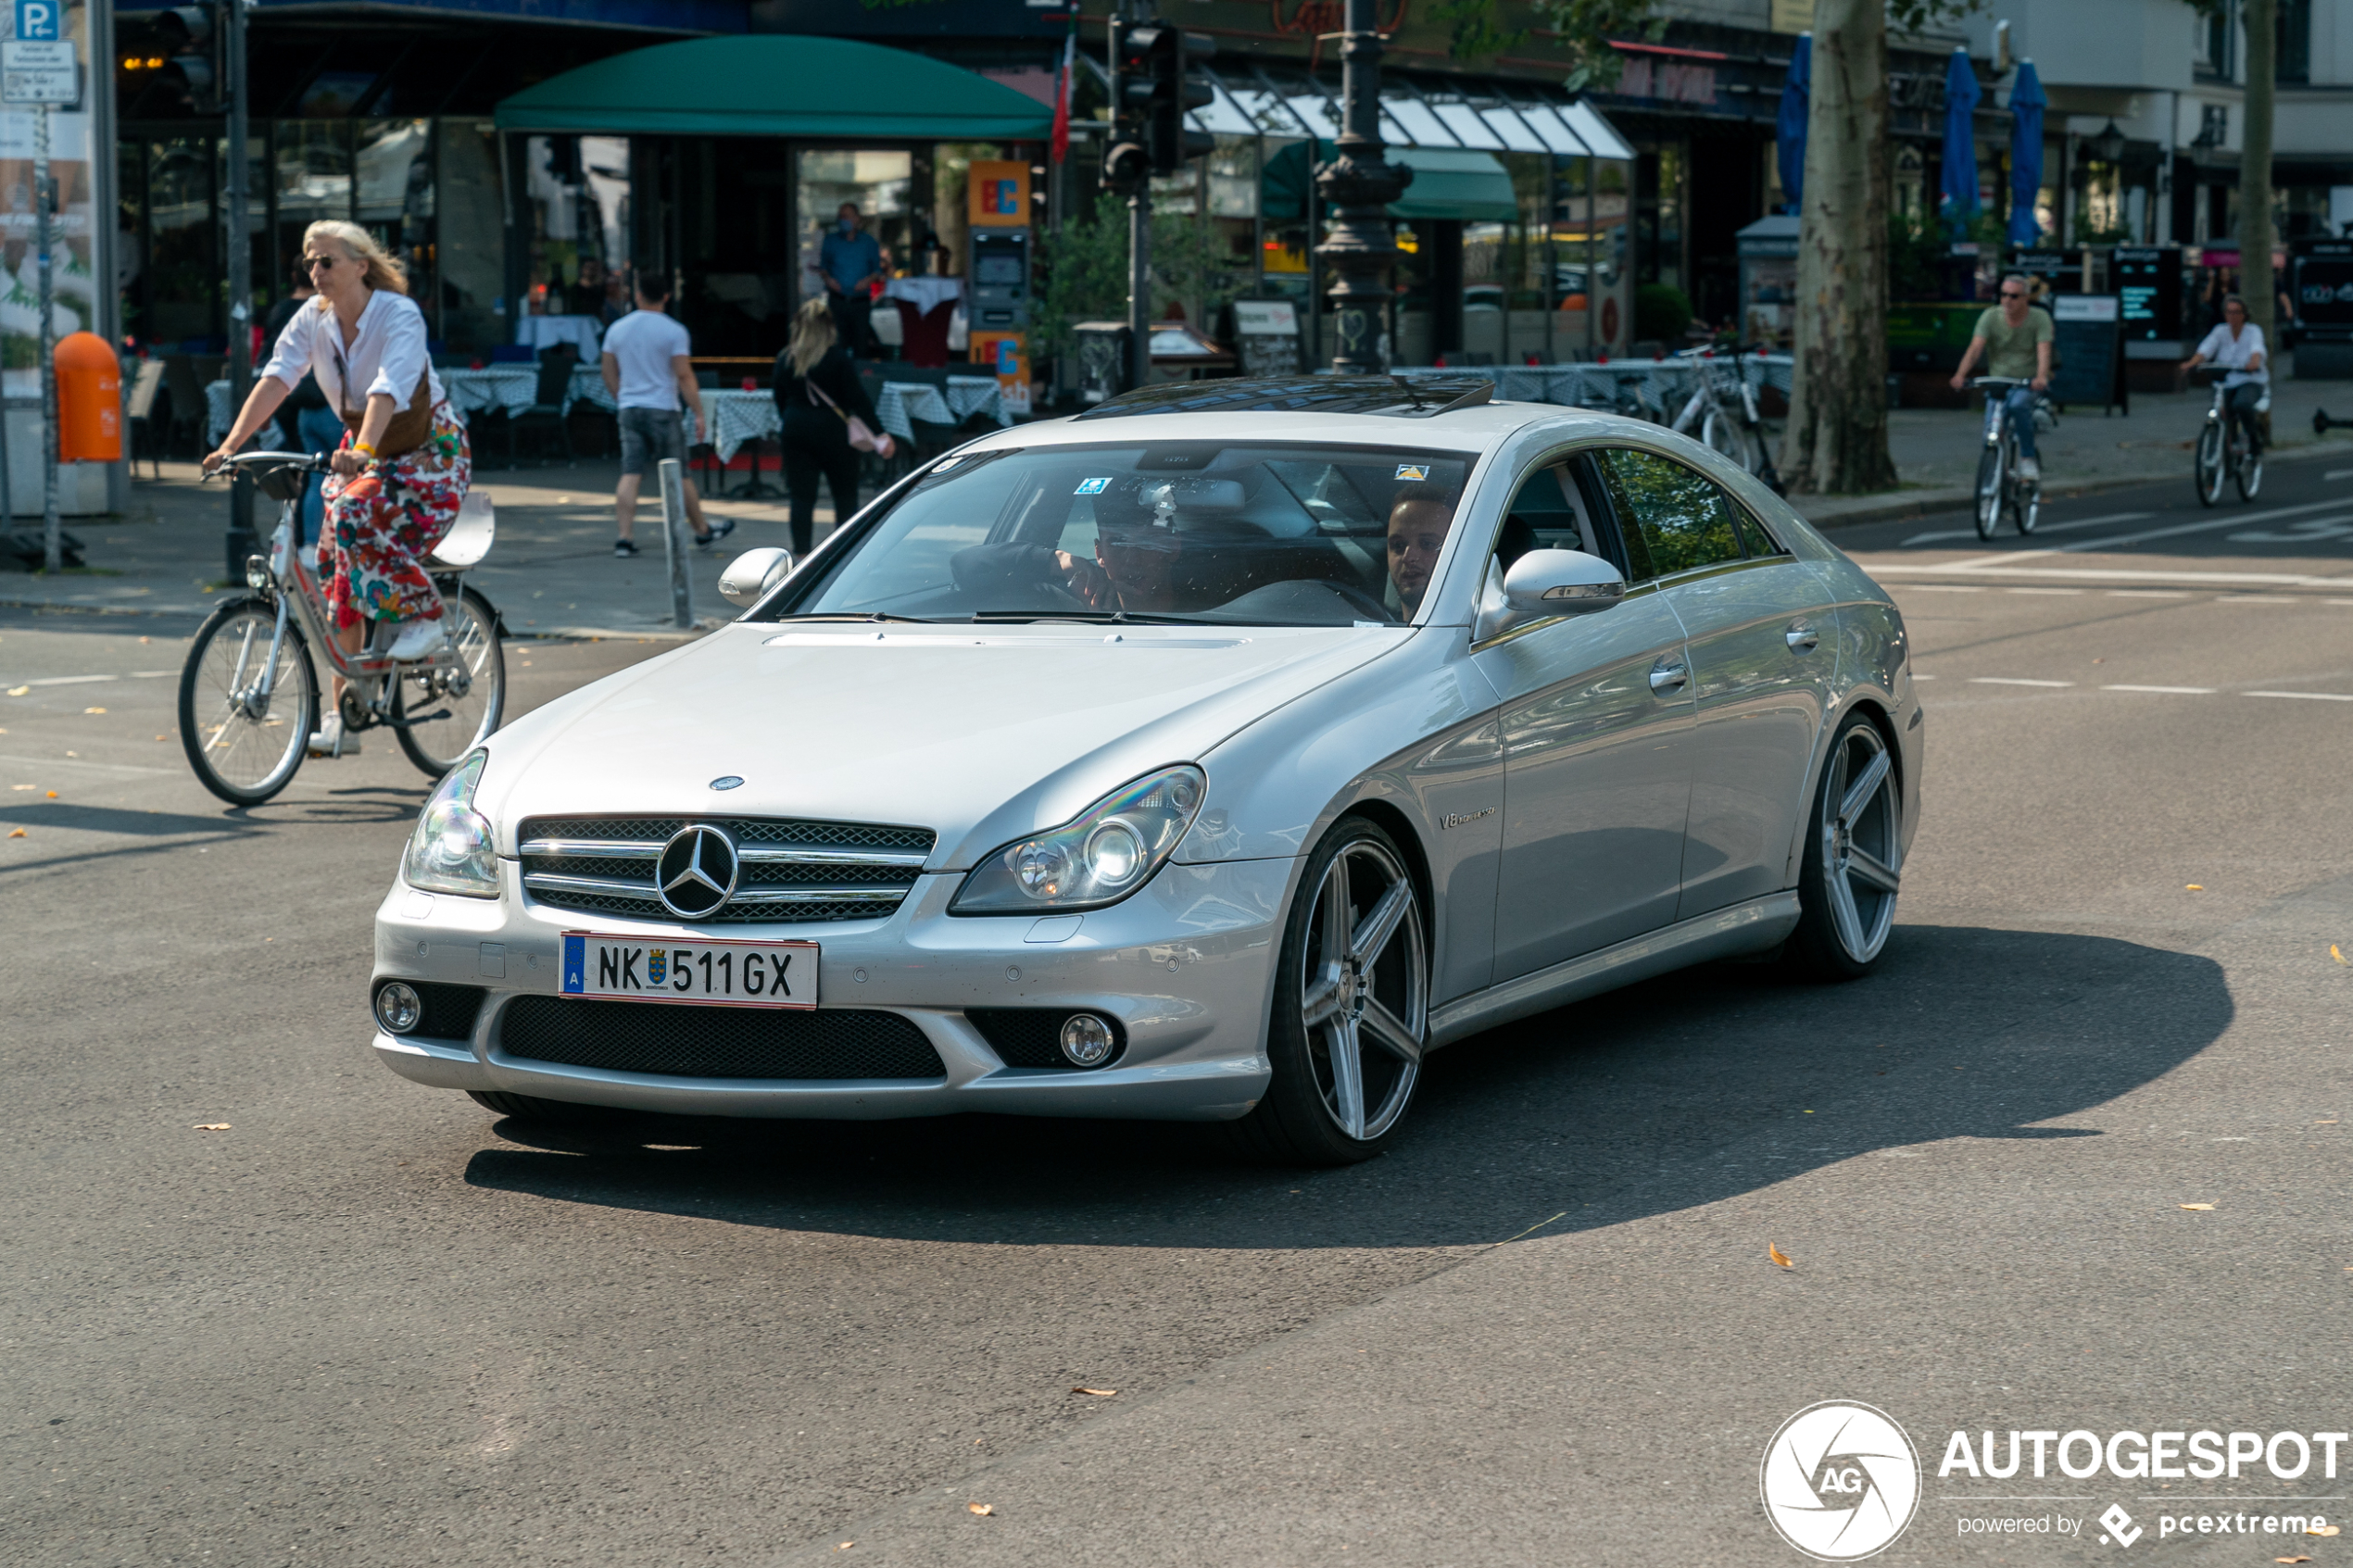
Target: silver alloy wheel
[(1362, 983), (1862, 843)]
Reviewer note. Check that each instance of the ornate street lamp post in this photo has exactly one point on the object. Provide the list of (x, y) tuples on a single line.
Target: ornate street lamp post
[(1362, 242)]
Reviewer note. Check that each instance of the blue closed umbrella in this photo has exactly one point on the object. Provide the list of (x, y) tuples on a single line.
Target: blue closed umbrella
[(1789, 126), (1960, 185), (2026, 153)]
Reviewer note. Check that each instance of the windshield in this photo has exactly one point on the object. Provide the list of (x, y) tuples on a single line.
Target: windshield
[(1269, 535)]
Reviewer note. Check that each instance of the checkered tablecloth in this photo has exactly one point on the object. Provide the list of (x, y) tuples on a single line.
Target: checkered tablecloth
[(1659, 385), (903, 402), (738, 417)]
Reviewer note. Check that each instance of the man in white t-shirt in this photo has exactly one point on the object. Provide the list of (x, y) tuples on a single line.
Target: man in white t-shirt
[(646, 371), (2237, 346)]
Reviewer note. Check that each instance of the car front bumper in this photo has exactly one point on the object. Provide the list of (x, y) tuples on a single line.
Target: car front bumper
[(1185, 966)]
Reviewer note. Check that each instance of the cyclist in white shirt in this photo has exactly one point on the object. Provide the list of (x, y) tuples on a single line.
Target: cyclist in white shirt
[(2237, 346)]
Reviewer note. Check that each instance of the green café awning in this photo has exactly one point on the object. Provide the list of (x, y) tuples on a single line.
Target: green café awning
[(1448, 182), (771, 84)]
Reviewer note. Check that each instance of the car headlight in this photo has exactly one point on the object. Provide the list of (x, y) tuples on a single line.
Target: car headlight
[(1110, 850), (452, 851)]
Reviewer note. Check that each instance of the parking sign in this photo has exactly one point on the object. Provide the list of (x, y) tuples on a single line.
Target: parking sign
[(40, 21)]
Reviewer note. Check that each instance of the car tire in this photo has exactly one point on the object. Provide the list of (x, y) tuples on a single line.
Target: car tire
[(1852, 869), (1346, 1033), (547, 1113)]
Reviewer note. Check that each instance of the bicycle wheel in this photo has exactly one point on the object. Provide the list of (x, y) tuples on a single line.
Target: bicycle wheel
[(246, 747), (2030, 506), (1724, 436), (2208, 468), (2249, 471), (454, 709), (1991, 477)]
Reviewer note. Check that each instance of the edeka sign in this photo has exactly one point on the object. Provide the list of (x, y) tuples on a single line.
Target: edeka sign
[(1841, 1481)]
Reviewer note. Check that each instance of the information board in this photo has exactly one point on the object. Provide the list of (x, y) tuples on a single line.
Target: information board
[(2061, 270), (2088, 358), (1266, 337), (39, 74), (2324, 288), (2148, 289)]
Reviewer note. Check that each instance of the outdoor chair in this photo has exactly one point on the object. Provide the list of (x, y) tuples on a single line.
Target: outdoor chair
[(546, 410), (139, 413)]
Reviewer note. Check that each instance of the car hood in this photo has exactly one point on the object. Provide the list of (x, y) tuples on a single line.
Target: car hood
[(980, 734)]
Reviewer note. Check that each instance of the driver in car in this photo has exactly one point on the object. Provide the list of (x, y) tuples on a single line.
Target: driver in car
[(1418, 521)]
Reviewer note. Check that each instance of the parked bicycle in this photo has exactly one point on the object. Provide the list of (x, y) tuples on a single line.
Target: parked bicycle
[(249, 696), (1723, 410), (2225, 448), (2002, 491)]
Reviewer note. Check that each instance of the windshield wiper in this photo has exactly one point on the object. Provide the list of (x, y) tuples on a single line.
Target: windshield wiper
[(867, 615), (1090, 617)]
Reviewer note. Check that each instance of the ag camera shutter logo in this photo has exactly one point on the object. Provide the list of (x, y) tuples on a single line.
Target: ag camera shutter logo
[(1839, 1481)]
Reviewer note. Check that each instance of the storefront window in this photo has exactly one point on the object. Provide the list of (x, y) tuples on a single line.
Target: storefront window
[(576, 189), (881, 185), (950, 218), (393, 186), (471, 238), (183, 272)]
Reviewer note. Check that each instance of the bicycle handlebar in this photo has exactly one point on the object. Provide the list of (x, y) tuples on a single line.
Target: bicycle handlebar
[(1978, 381), (311, 461)]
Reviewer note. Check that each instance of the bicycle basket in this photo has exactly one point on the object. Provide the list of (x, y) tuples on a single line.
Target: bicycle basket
[(279, 483)]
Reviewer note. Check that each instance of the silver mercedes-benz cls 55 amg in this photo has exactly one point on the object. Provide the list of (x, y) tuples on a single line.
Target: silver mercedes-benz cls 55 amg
[(1218, 753)]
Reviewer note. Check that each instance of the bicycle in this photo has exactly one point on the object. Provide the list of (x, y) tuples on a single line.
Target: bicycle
[(250, 692), (2223, 448), (2001, 490), (1723, 407)]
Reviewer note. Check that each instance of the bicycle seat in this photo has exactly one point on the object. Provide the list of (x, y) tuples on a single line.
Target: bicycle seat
[(469, 538)]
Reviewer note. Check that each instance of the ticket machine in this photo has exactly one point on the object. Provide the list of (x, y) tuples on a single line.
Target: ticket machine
[(996, 307)]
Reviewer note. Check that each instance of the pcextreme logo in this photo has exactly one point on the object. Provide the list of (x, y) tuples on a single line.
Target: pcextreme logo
[(1839, 1481)]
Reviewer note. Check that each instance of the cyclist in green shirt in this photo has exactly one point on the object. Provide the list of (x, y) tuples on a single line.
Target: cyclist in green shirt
[(2016, 341)]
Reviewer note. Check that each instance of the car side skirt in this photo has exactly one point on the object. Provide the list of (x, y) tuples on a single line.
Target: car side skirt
[(1756, 926)]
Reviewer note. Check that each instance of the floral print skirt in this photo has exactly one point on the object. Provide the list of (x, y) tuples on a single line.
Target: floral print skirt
[(384, 520)]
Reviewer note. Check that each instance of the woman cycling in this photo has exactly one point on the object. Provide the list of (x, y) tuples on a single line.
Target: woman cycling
[(404, 464)]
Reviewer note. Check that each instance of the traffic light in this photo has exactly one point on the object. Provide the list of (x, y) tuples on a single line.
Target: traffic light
[(1167, 90), (1127, 155), (192, 35)]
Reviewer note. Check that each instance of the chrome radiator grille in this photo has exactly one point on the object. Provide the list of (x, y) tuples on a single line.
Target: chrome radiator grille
[(790, 871)]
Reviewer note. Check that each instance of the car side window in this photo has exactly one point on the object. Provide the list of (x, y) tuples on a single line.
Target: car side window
[(1674, 518), (1554, 509)]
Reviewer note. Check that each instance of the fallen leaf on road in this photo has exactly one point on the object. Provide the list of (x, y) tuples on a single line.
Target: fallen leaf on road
[(19, 691), (2195, 1208), (1778, 1255), (980, 1508), (2291, 1560), (847, 1545), (52, 793), (2322, 1530), (15, 833), (2192, 887), (2335, 954), (24, 786), (1098, 1393), (93, 710), (211, 1127)]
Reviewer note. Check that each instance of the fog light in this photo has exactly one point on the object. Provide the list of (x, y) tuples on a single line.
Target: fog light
[(1087, 1039), (398, 1008)]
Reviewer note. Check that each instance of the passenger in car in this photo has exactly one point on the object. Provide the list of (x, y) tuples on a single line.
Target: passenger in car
[(1420, 519)]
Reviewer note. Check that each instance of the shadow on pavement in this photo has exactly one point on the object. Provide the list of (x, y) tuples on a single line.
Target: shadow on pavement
[(1685, 1091)]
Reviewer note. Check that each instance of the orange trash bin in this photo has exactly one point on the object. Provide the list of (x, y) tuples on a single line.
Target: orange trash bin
[(89, 400)]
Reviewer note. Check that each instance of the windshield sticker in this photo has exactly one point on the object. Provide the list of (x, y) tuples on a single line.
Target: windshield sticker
[(1413, 470), (1092, 486)]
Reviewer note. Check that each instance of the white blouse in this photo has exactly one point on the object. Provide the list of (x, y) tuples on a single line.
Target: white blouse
[(386, 355)]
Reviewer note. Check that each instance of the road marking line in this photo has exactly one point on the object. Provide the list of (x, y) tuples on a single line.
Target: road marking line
[(2184, 691), (2063, 527), (2047, 590), (2155, 594), (2259, 598), (1944, 588), (2012, 681), (2209, 525), (2308, 697), (2096, 575), (78, 762), (64, 681), (2339, 473)]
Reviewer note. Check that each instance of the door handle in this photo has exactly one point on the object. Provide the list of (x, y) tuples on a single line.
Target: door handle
[(1667, 676), (1802, 637)]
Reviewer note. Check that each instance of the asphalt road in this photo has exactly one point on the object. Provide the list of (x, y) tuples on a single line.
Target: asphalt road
[(369, 1323)]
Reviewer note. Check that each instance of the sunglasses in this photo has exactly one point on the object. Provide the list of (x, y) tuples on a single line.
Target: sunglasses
[(2013, 294), (312, 263)]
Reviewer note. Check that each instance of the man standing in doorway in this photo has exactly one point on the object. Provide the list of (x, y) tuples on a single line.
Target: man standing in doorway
[(2015, 340), (647, 369), (852, 261)]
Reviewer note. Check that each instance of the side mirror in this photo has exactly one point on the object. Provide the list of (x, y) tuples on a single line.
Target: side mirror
[(1542, 584), (751, 574)]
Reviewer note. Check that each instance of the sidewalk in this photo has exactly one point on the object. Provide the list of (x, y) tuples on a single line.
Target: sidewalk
[(551, 573), (1936, 450)]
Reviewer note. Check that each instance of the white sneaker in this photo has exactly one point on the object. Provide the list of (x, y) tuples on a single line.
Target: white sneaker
[(2030, 470), (329, 740), (418, 639)]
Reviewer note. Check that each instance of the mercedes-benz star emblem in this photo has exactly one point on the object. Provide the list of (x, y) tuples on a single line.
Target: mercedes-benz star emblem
[(697, 872)]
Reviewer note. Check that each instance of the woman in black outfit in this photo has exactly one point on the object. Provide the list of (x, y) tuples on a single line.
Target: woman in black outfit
[(815, 440)]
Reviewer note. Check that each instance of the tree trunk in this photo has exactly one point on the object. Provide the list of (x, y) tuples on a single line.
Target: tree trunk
[(1836, 440), (2257, 285)]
